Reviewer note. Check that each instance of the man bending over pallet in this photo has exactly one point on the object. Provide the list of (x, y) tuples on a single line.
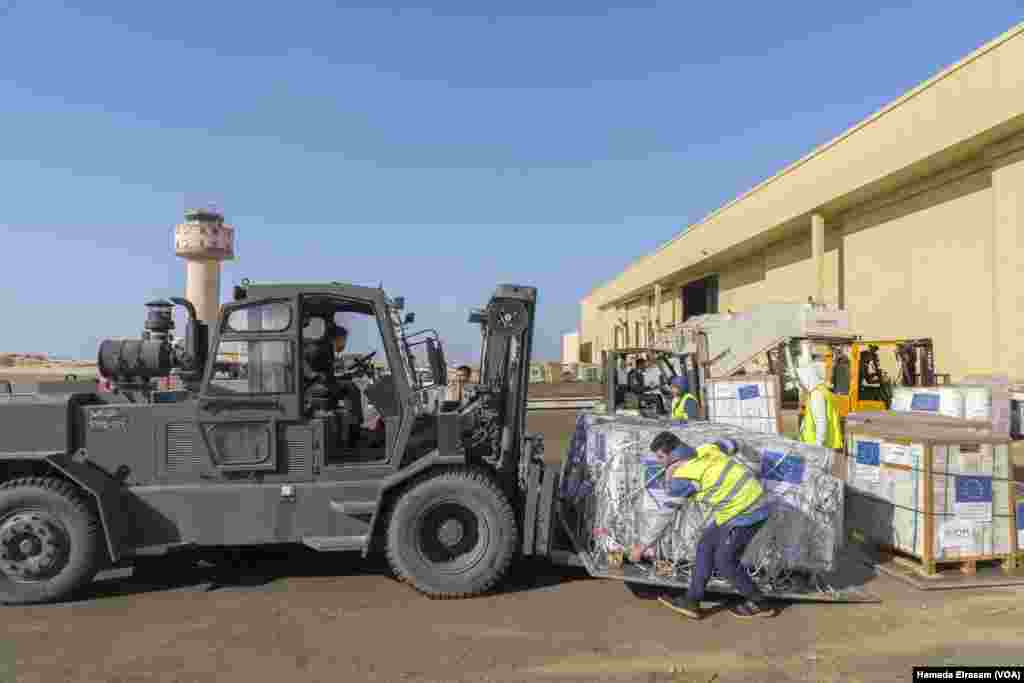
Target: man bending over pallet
[(738, 509)]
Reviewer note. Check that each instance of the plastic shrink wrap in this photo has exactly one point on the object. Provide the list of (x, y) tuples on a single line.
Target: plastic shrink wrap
[(615, 486)]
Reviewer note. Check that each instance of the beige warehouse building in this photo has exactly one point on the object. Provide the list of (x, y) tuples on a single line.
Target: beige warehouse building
[(912, 220)]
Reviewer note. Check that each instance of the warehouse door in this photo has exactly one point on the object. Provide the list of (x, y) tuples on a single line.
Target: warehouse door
[(700, 297)]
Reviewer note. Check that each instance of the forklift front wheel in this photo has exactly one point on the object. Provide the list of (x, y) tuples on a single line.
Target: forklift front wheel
[(452, 535)]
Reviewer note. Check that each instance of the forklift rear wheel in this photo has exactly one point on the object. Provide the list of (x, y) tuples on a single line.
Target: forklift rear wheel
[(453, 535), (49, 540)]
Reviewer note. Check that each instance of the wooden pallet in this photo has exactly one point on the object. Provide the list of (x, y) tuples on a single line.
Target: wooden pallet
[(965, 565), (941, 568), (985, 573)]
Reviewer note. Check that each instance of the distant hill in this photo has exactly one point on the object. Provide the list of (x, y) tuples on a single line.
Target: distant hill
[(20, 363)]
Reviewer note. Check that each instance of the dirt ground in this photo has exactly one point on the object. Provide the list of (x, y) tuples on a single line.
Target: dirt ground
[(300, 616)]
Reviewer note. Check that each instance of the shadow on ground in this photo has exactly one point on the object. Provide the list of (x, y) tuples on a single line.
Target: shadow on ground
[(257, 568), (854, 570)]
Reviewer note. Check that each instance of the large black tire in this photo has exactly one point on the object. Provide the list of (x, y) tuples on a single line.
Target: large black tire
[(452, 535), (50, 540)]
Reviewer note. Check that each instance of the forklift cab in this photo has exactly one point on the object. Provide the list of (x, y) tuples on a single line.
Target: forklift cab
[(651, 401)]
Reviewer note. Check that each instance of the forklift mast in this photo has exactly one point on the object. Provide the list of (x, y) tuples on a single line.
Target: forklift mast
[(507, 338)]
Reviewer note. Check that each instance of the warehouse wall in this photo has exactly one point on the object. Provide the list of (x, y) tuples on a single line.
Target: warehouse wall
[(1008, 260), (949, 116), (742, 284), (923, 205), (789, 270), (782, 273), (921, 268), (920, 263)]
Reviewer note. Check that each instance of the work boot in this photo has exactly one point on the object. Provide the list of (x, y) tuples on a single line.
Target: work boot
[(748, 609), (682, 605)]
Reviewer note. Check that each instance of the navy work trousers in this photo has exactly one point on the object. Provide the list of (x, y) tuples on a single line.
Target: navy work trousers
[(720, 548)]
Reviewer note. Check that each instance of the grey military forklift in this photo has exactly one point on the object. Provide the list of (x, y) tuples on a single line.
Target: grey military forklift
[(450, 492)]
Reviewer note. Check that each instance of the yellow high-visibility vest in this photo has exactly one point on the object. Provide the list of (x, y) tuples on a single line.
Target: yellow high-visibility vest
[(679, 407), (722, 482), (834, 433)]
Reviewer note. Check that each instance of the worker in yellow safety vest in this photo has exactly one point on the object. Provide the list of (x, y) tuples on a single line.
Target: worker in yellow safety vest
[(738, 508), (820, 425), (684, 404)]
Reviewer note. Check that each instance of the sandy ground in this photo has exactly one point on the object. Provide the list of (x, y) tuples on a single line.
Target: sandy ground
[(300, 616), (324, 619)]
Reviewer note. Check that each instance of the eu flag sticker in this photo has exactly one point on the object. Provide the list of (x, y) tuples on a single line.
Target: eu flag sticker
[(869, 453), (925, 403), (788, 469), (748, 391), (973, 489), (973, 498)]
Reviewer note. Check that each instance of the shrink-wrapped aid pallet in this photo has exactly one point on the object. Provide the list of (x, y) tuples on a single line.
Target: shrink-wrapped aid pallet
[(799, 476), (613, 483)]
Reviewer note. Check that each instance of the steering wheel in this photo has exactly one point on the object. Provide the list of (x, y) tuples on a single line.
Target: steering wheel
[(361, 364)]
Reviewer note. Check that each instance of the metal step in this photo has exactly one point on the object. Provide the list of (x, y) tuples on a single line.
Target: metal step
[(354, 507), (335, 543)]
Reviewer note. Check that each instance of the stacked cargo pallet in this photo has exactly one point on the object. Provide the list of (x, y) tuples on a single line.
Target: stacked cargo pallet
[(750, 402), (932, 490), (608, 493), (980, 402)]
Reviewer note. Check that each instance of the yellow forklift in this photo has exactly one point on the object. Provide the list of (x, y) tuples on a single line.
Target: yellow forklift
[(728, 345), (860, 382)]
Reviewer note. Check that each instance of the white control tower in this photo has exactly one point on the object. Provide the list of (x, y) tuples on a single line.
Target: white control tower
[(204, 240)]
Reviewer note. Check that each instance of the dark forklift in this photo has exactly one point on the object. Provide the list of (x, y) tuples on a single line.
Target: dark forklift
[(627, 392), (450, 492)]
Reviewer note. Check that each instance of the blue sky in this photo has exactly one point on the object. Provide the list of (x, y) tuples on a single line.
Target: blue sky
[(440, 149)]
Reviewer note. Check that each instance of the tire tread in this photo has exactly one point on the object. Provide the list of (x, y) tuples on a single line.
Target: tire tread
[(507, 516), (93, 531)]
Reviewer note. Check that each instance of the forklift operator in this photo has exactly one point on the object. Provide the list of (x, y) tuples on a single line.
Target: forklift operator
[(320, 364), (347, 390), (640, 378)]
